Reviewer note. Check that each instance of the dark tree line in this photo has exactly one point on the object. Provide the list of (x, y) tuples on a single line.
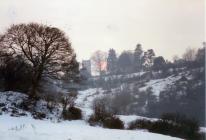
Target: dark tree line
[(140, 60), (133, 61)]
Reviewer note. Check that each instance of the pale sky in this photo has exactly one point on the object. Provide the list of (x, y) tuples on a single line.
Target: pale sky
[(167, 26)]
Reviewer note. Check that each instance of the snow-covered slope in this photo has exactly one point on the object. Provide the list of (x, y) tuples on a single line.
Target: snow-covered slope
[(26, 128), (159, 85), (17, 104)]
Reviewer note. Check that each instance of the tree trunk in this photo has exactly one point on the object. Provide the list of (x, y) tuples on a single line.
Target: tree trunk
[(33, 90), (35, 84)]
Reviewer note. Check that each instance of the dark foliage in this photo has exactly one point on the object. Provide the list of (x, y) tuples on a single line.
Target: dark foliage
[(112, 62), (72, 113), (174, 125), (159, 64), (125, 62), (140, 124), (104, 118), (100, 113), (39, 115), (113, 122), (15, 74)]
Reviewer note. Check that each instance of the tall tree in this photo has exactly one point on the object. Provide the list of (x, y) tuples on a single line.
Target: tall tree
[(138, 57), (112, 61), (46, 49), (125, 62)]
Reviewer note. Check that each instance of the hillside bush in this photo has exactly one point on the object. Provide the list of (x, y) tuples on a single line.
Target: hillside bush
[(104, 118), (72, 113), (170, 124), (113, 122)]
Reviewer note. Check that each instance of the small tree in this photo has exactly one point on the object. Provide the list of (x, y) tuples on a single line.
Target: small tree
[(46, 49)]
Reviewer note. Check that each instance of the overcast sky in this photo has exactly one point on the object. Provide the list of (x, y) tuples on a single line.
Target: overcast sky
[(167, 26)]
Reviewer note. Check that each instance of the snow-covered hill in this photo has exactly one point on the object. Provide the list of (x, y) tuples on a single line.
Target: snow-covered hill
[(18, 124)]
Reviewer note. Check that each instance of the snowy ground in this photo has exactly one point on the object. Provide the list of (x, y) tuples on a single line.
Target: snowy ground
[(26, 128)]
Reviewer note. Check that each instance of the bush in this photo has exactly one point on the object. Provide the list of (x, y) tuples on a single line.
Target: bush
[(15, 74), (140, 124), (113, 123), (100, 113), (72, 113), (170, 124), (100, 110), (93, 120), (104, 118)]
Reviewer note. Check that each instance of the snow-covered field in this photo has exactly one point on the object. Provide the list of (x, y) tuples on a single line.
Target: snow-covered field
[(26, 128)]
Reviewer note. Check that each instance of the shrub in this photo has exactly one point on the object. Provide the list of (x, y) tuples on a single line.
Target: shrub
[(170, 124), (100, 110), (113, 122), (15, 74), (72, 113), (104, 118), (100, 113), (93, 120), (140, 124)]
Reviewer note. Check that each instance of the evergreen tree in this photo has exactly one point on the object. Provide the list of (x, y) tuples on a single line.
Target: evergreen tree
[(112, 62), (125, 62), (138, 58)]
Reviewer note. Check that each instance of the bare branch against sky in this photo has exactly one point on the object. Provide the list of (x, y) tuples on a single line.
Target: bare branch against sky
[(167, 26)]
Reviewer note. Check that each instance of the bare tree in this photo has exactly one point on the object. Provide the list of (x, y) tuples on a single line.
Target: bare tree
[(190, 54), (45, 48), (99, 61)]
